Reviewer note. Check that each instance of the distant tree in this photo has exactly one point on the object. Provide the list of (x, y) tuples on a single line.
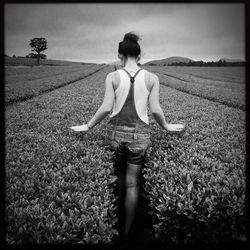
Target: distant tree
[(199, 63), (33, 55), (30, 55), (219, 63), (210, 63), (38, 45), (43, 56), (14, 56)]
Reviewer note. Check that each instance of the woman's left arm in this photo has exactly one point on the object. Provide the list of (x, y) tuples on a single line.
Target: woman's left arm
[(107, 103), (104, 109)]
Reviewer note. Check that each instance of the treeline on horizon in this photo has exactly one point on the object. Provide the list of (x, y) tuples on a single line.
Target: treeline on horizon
[(201, 63)]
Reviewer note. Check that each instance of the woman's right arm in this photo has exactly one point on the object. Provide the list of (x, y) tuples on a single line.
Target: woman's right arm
[(154, 103), (156, 110)]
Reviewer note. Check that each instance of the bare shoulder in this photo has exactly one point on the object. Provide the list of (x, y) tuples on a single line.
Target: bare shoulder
[(151, 79), (151, 76), (112, 76)]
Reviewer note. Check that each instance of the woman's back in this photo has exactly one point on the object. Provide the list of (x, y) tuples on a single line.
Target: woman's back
[(148, 77), (129, 133), (131, 98)]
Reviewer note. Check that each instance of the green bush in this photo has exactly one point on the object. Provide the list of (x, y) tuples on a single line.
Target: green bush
[(62, 202), (228, 92), (196, 182), (23, 89), (59, 184)]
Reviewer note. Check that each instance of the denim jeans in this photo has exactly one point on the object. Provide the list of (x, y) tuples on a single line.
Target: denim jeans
[(128, 144)]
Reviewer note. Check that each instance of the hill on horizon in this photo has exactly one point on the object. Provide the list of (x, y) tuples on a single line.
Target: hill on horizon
[(231, 60), (178, 59), (169, 60)]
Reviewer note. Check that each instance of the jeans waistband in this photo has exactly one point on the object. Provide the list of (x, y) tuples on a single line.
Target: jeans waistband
[(126, 132), (127, 136)]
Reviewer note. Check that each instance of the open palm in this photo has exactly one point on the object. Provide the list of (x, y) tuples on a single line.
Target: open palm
[(175, 128), (83, 127)]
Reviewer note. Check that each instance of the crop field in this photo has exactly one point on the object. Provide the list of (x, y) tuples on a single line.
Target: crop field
[(22, 84), (23, 62), (59, 183), (224, 85)]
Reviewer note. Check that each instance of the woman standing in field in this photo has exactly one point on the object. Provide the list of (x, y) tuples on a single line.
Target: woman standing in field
[(127, 93)]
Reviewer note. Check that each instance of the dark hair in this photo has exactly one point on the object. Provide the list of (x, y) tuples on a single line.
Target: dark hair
[(129, 46)]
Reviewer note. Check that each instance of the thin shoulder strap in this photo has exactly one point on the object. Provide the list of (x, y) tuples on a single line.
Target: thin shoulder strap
[(132, 78)]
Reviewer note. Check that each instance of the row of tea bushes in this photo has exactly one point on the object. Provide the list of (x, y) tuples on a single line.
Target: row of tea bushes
[(13, 74), (25, 89), (217, 74), (59, 184), (196, 182), (230, 94)]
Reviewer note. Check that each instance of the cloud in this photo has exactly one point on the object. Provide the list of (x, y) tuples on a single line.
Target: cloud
[(92, 31)]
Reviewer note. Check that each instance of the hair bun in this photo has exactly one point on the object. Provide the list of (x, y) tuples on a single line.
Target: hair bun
[(131, 37)]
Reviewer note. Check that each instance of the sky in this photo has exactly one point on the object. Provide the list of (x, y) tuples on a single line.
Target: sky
[(91, 32)]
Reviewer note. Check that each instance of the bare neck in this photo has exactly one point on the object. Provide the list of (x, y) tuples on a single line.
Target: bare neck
[(131, 64)]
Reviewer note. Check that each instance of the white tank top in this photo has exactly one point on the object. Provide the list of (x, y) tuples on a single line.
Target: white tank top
[(141, 94)]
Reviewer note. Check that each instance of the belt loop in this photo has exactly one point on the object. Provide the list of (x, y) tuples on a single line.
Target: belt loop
[(115, 127), (136, 128)]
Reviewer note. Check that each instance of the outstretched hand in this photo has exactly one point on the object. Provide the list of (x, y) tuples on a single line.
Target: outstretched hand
[(83, 127), (176, 128)]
